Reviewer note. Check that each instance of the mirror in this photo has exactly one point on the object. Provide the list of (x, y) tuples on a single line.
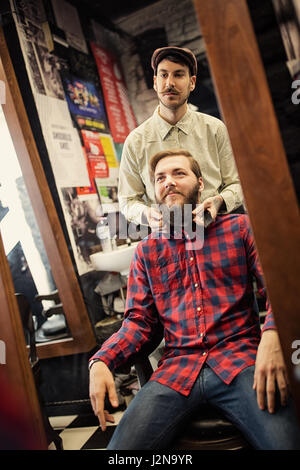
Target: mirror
[(277, 30), (24, 247), (51, 94)]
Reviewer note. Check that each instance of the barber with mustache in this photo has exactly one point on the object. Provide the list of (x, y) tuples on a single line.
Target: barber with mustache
[(174, 125)]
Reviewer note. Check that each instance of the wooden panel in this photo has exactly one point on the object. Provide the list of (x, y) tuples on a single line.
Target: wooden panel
[(17, 370), (248, 112), (83, 338)]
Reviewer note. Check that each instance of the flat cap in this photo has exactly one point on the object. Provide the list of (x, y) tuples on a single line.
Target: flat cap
[(181, 52)]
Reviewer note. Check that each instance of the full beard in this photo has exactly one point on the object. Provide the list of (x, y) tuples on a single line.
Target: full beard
[(179, 216)]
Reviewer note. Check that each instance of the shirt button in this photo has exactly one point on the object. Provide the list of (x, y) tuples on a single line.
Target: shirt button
[(204, 354), (191, 259), (201, 335), (199, 309), (196, 285)]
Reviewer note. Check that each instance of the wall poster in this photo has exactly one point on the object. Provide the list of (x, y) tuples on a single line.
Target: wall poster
[(62, 141), (95, 154), (67, 19), (120, 115), (85, 104), (82, 213), (107, 189), (81, 140)]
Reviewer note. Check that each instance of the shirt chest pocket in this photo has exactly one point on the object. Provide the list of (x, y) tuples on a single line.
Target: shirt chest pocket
[(168, 276)]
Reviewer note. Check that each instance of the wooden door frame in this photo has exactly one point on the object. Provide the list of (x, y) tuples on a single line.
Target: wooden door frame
[(82, 333), (16, 369), (247, 109)]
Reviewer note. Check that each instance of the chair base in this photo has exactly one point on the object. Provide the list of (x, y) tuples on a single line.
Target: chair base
[(222, 443)]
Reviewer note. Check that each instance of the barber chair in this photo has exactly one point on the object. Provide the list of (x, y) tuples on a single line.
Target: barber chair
[(29, 331), (208, 429), (55, 326)]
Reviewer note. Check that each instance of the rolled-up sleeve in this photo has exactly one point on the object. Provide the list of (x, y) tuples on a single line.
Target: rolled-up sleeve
[(131, 188), (139, 322)]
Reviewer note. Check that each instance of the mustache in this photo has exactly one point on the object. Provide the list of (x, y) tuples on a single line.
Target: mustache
[(174, 191), (171, 90)]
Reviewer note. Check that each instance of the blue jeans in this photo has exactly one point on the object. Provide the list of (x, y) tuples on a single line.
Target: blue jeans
[(156, 414)]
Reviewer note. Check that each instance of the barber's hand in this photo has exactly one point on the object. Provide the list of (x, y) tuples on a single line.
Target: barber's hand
[(102, 382), (212, 205), (155, 219), (269, 371)]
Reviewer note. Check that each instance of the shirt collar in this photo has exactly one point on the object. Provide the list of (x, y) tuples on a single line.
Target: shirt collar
[(185, 123)]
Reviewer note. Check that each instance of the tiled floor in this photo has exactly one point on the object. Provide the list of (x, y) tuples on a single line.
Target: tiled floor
[(83, 432)]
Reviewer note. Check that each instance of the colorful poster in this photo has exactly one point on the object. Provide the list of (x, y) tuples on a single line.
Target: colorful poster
[(120, 115), (103, 163), (91, 189), (95, 153), (109, 151), (84, 103)]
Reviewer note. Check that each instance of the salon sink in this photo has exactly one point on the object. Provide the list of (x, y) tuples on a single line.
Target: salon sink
[(118, 260)]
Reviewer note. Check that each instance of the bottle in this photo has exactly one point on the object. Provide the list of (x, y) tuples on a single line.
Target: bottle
[(103, 233)]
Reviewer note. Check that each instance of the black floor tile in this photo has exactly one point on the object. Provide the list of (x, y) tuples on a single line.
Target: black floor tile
[(99, 439), (84, 421)]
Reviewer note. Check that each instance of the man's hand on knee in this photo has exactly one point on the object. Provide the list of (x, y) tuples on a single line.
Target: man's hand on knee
[(270, 371), (102, 382)]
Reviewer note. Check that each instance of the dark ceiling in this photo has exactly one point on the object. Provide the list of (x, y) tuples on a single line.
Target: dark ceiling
[(112, 9)]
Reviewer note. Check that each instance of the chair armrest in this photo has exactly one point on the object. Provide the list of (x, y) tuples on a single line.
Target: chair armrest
[(54, 310), (54, 295)]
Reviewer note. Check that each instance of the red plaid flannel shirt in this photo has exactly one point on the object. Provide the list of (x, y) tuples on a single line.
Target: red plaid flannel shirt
[(203, 298)]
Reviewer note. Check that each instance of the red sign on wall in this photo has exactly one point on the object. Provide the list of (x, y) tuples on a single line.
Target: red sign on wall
[(83, 190), (95, 153), (119, 111), (95, 160)]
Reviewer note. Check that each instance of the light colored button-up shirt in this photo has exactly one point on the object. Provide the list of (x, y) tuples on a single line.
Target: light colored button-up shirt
[(204, 136)]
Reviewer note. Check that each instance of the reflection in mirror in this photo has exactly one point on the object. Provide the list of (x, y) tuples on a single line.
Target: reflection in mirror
[(24, 247), (277, 30), (168, 22)]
